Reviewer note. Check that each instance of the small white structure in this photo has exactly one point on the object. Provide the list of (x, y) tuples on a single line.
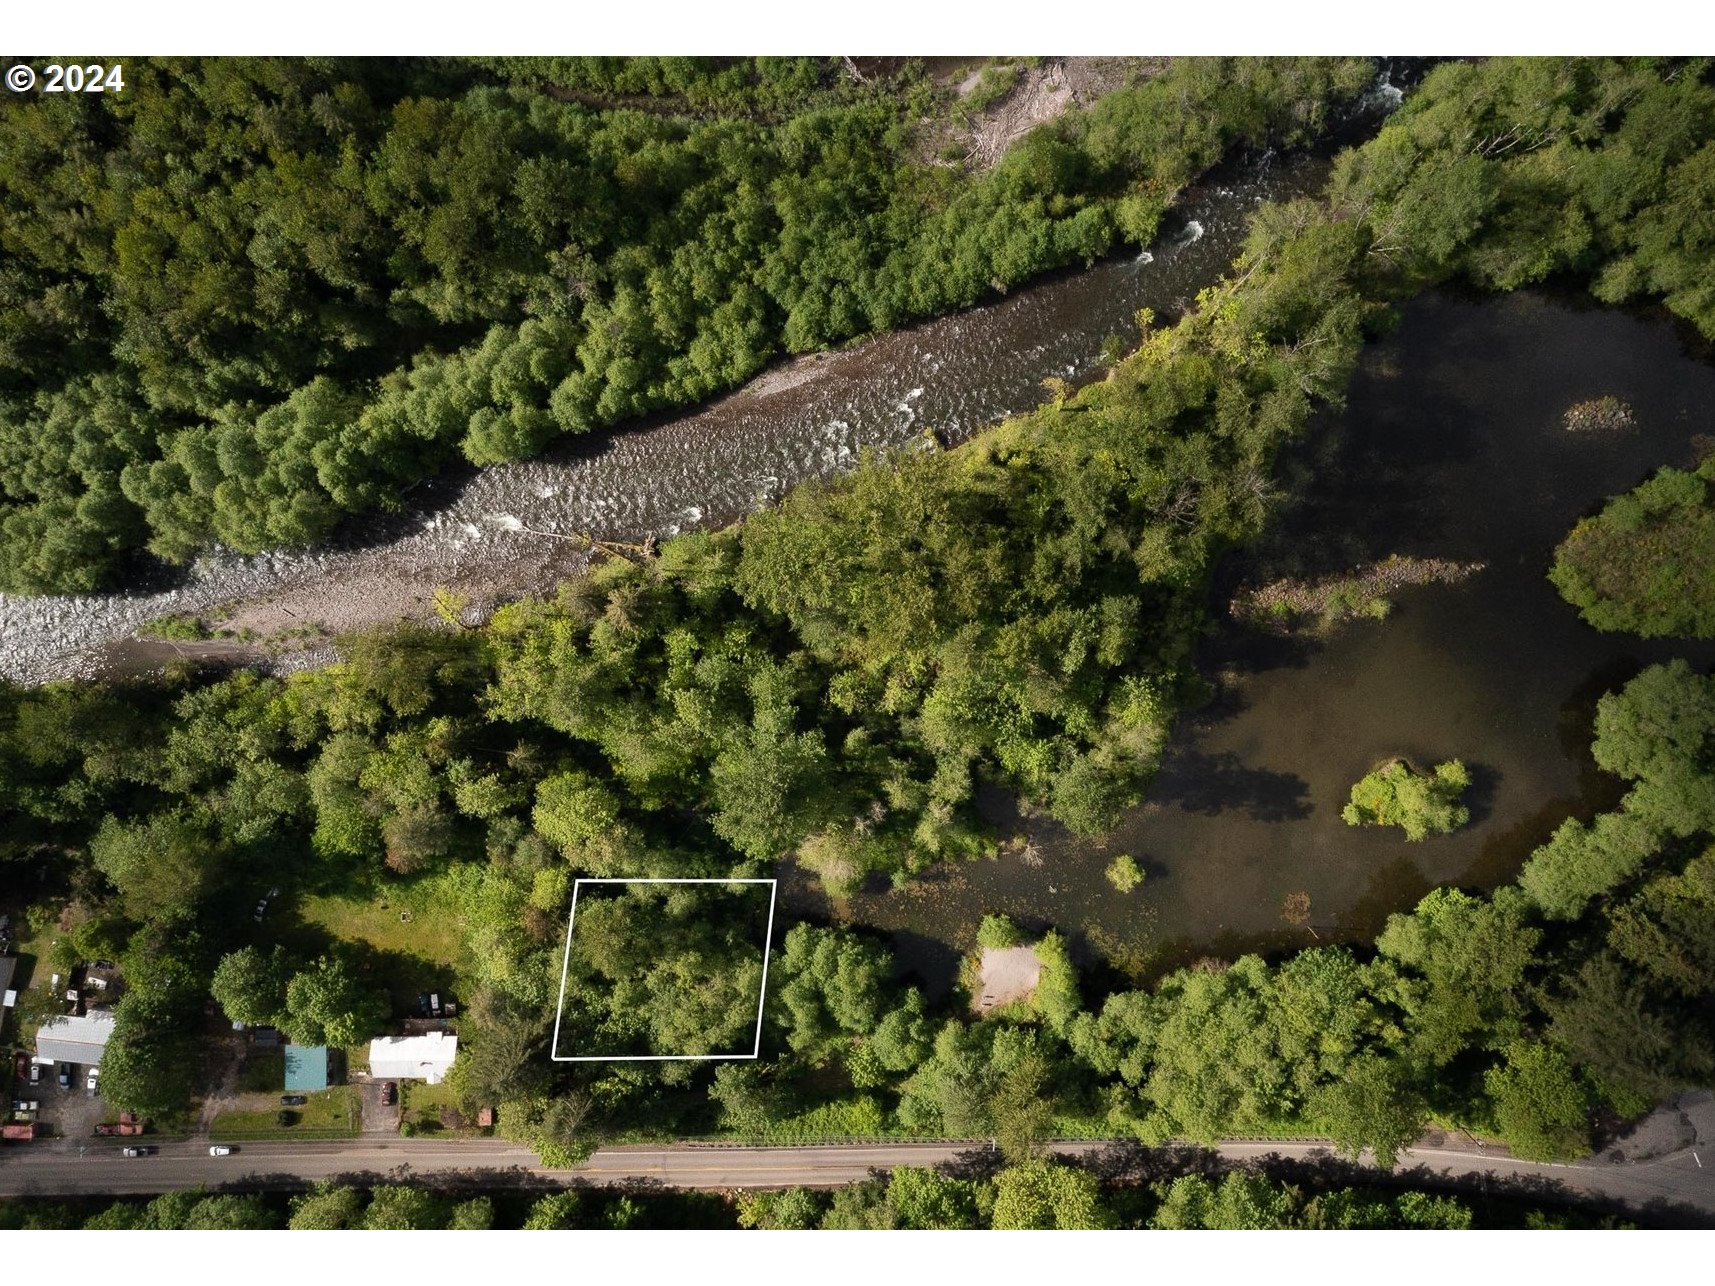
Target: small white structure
[(413, 1058), (75, 1040)]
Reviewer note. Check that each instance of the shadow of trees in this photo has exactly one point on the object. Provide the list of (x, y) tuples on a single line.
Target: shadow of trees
[(1216, 783)]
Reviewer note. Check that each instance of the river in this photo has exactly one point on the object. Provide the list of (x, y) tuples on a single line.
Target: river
[(498, 533), (1452, 446)]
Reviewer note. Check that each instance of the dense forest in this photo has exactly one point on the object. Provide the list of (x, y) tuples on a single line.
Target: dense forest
[(836, 677), (247, 297)]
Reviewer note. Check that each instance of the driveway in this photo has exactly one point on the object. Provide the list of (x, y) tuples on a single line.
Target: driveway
[(73, 1112), (378, 1118)]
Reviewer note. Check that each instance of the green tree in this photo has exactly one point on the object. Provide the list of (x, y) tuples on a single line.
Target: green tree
[(250, 985), (1659, 730), (160, 865), (1420, 804), (1646, 562), (1022, 1108), (1541, 1109), (328, 1206), (1239, 1201), (997, 932), (831, 985), (474, 1215), (922, 1198), (793, 1208), (151, 1064), (398, 1207), (1057, 998), (232, 1212), (1460, 965), (552, 1211), (1373, 1105), (1124, 873), (329, 1004), (1047, 1194), (749, 1099)]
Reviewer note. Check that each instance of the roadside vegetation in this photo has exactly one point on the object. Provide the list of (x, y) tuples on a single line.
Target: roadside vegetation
[(845, 671), (979, 1194)]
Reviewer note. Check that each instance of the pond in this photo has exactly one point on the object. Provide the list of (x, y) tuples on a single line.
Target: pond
[(1452, 446)]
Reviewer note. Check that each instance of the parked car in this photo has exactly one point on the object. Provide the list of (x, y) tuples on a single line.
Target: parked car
[(293, 1100), (106, 1128), (389, 1092), (94, 1076), (220, 1150), (35, 1073), (435, 1003), (423, 1003), (65, 1076)]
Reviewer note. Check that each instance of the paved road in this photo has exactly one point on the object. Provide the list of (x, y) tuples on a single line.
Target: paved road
[(1670, 1161), (62, 1167)]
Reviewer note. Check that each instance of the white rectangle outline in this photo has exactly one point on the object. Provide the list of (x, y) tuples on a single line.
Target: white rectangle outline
[(566, 964)]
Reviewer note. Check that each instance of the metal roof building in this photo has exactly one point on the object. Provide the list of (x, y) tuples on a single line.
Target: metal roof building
[(413, 1058), (75, 1040), (306, 1068)]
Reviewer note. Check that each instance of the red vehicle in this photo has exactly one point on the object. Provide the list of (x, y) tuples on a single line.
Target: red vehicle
[(389, 1091), (107, 1127)]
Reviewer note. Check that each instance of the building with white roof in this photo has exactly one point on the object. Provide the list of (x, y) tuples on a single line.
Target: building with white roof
[(78, 1039), (413, 1058)]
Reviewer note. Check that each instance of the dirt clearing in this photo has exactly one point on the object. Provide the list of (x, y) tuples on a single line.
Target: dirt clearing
[(1008, 974)]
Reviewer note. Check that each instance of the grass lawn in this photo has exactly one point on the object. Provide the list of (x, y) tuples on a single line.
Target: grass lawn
[(264, 1073), (423, 1103), (330, 1114), (412, 933)]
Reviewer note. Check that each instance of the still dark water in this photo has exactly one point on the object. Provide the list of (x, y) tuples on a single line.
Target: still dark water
[(1451, 447)]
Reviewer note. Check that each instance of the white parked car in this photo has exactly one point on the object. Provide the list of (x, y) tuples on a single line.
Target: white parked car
[(94, 1076), (220, 1150)]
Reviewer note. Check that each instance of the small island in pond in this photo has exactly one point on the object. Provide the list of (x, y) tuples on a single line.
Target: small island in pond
[(1420, 804)]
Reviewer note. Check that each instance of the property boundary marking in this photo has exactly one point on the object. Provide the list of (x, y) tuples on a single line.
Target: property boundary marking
[(566, 964)]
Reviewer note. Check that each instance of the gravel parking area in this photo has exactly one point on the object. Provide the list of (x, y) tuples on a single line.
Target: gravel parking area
[(70, 1113), (377, 1118)]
